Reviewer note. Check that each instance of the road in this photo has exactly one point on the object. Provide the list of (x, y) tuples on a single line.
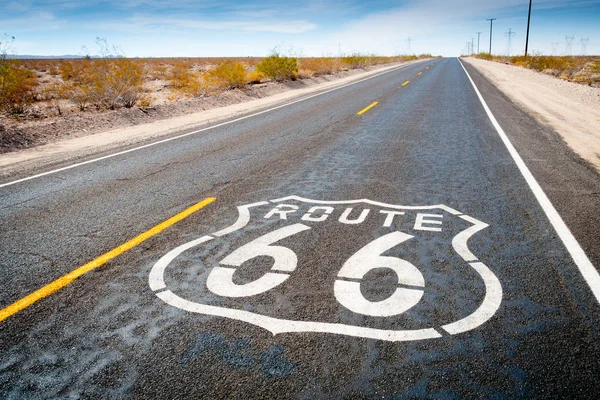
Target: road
[(378, 240)]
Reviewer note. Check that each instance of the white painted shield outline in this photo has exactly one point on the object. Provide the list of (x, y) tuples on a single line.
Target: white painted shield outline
[(488, 307)]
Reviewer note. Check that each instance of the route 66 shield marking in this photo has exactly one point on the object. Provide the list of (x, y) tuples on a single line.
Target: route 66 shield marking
[(317, 257)]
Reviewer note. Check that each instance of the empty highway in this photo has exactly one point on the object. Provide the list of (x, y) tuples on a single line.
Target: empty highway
[(411, 235)]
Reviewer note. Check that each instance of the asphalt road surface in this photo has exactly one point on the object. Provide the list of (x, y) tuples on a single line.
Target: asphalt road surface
[(396, 251)]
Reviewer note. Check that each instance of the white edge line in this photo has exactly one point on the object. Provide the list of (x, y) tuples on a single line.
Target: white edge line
[(197, 131), (589, 273)]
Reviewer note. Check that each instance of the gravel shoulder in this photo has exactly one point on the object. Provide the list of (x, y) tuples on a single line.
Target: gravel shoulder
[(573, 110), (57, 140)]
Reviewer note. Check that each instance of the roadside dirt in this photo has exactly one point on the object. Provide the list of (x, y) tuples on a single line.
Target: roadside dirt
[(32, 144), (573, 110), (29, 132)]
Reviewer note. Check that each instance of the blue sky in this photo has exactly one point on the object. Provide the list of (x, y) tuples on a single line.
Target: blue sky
[(202, 28)]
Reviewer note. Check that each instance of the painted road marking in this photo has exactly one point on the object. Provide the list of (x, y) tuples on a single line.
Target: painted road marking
[(195, 132), (405, 83), (420, 73), (71, 276), (364, 110), (590, 274), (291, 218), (427, 67)]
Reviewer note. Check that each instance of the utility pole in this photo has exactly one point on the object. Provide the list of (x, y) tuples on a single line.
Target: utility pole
[(472, 46), (554, 48), (510, 34), (478, 36), (491, 26), (528, 21), (409, 50)]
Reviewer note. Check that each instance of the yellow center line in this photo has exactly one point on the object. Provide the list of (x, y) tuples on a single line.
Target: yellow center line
[(103, 259), (427, 67), (420, 73), (364, 110), (405, 83)]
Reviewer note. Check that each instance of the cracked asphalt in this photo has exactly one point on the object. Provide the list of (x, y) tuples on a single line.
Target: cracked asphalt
[(426, 156)]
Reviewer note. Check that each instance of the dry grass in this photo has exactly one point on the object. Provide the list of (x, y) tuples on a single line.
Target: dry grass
[(76, 85), (578, 69), (320, 66)]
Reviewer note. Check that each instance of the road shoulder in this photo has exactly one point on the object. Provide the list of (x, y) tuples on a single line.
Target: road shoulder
[(570, 182), (71, 150), (573, 110)]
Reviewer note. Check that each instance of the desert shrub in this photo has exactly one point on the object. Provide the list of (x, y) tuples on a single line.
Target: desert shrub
[(319, 65), (145, 100), (564, 67), (278, 68), (67, 71), (186, 81), (54, 70), (255, 77), (355, 61), (576, 69), (126, 83), (157, 72), (305, 73), (485, 56), (377, 60), (78, 94), (107, 82), (228, 74), (17, 85), (180, 76), (110, 83), (52, 93)]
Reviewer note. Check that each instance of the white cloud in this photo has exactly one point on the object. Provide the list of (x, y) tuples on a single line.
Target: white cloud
[(273, 26)]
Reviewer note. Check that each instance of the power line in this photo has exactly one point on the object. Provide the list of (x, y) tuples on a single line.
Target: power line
[(569, 45), (510, 34), (584, 43), (491, 28)]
